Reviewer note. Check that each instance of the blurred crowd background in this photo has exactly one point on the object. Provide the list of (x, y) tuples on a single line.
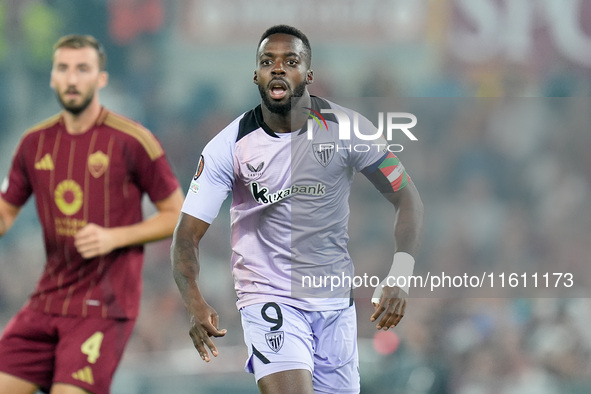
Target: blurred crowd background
[(501, 92)]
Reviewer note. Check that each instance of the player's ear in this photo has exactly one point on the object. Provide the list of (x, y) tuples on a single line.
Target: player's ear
[(309, 77), (103, 79), (51, 80), (255, 79)]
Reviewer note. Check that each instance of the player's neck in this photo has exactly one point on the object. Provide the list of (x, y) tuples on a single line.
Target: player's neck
[(292, 121), (82, 122)]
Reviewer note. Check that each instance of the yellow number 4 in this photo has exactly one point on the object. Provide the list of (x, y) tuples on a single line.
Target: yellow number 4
[(92, 346)]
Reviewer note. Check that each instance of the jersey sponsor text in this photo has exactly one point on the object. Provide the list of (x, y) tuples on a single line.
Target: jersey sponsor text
[(262, 196)]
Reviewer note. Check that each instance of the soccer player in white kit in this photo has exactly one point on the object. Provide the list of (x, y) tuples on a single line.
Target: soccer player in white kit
[(290, 180)]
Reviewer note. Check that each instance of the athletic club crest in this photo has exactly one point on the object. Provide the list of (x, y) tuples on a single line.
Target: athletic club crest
[(275, 340), (324, 152)]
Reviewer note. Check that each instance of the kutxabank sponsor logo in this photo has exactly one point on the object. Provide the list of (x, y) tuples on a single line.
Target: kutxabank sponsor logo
[(388, 123), (262, 195)]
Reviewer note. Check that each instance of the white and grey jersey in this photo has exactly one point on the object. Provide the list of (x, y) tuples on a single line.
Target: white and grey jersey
[(289, 212)]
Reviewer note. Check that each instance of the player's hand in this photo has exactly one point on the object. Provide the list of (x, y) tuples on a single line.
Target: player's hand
[(204, 325), (392, 305), (93, 240)]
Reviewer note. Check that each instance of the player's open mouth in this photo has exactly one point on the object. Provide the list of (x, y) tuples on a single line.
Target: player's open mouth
[(278, 90)]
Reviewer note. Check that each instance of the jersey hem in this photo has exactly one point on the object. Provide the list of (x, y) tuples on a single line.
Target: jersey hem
[(306, 304)]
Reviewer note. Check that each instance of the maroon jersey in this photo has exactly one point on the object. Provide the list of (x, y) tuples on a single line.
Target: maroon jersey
[(96, 177)]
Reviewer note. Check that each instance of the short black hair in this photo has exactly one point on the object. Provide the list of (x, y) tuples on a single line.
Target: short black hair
[(78, 41), (292, 31)]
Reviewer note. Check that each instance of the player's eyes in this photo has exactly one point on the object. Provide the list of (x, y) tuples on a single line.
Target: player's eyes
[(266, 62)]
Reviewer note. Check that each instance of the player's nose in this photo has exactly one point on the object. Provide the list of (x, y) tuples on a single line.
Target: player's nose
[(71, 78), (278, 68)]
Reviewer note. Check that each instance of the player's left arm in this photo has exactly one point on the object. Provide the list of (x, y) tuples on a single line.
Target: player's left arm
[(390, 178), (409, 223), (391, 302), (93, 240)]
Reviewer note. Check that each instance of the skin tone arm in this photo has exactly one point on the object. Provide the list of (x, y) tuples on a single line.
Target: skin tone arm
[(407, 232), (184, 255), (8, 214), (93, 240)]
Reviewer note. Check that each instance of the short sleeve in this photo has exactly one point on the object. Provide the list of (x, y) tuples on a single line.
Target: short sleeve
[(153, 170), (213, 179)]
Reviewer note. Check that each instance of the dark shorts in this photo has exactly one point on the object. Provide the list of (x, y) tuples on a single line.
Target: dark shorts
[(45, 349)]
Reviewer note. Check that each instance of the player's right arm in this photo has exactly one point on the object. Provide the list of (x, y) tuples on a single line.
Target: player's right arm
[(209, 187), (8, 214), (185, 267), (15, 189)]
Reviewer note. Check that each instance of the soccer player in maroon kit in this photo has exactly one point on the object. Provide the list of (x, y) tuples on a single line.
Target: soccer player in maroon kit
[(88, 168)]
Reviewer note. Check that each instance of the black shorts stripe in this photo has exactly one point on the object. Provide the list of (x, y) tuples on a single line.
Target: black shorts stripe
[(260, 355)]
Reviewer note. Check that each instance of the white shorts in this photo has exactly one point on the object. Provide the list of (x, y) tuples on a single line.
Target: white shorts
[(280, 337)]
